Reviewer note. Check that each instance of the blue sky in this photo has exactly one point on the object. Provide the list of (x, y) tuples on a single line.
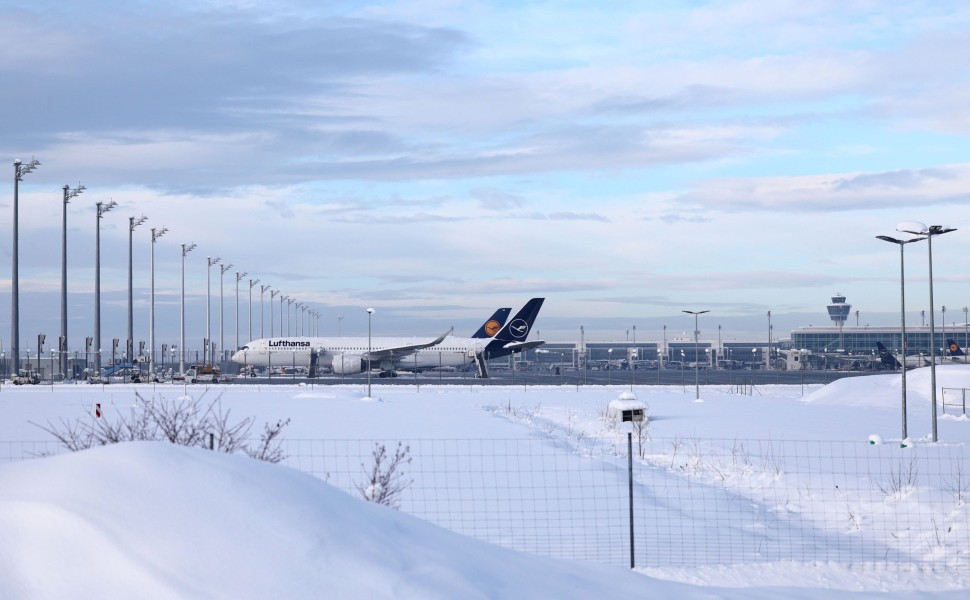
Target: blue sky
[(436, 160)]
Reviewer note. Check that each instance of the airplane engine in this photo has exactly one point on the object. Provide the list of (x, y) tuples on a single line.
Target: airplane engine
[(348, 364)]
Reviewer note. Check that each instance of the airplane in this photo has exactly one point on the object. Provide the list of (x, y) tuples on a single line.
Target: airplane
[(349, 355), (956, 353), (890, 361)]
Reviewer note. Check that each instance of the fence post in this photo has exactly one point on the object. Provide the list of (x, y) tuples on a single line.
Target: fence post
[(629, 462)]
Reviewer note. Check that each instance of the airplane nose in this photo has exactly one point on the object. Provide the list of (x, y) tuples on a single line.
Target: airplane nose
[(238, 357)]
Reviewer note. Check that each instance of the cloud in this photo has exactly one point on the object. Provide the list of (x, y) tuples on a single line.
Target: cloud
[(494, 199)]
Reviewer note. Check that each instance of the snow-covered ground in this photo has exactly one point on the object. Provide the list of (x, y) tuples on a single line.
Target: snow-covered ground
[(152, 520)]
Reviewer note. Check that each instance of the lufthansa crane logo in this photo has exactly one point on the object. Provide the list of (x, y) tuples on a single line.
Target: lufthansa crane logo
[(492, 327), (519, 328), (954, 347)]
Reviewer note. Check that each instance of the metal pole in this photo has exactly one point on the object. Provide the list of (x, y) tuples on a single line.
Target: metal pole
[(62, 348), (151, 325), (185, 250), (370, 311), (130, 344), (902, 321), (19, 170), (929, 241), (252, 284), (206, 357), (239, 277), (222, 344), (629, 462)]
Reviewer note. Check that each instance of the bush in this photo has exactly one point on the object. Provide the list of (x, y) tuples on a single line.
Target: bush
[(187, 422)]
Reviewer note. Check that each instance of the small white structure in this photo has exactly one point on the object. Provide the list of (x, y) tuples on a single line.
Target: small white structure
[(627, 408)]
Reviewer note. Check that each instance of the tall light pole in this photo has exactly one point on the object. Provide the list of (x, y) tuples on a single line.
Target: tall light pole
[(272, 294), (370, 311), (239, 277), (282, 303), (262, 311), (902, 318), (156, 233), (222, 345), (768, 362), (133, 222), (252, 284), (62, 344), (102, 208), (19, 170), (916, 228), (206, 359), (186, 248), (697, 384), (966, 332), (289, 303)]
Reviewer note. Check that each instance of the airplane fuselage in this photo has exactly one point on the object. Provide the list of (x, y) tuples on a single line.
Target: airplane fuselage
[(298, 351)]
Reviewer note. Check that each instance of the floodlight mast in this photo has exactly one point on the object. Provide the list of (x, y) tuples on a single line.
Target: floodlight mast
[(222, 344), (902, 322), (239, 277), (156, 234), (917, 228), (697, 385), (102, 209), (19, 170), (186, 248), (62, 344), (133, 222)]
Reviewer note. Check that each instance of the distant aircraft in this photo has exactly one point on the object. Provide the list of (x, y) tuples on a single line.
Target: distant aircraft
[(891, 361), (956, 353), (349, 355)]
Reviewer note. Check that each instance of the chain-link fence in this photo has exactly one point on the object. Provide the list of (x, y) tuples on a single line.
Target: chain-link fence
[(695, 501)]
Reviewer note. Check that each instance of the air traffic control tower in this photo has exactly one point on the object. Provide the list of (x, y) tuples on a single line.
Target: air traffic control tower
[(839, 313)]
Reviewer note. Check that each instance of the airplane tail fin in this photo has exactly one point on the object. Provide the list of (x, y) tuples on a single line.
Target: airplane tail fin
[(954, 347), (517, 329), (887, 358), (493, 324)]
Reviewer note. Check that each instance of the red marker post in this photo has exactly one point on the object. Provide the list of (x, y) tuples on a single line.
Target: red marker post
[(97, 410)]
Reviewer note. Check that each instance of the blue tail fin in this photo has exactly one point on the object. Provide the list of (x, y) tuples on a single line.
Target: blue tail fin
[(518, 328), (954, 347), (888, 360), (494, 324)]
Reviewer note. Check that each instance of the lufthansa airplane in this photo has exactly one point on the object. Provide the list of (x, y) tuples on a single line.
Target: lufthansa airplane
[(351, 355)]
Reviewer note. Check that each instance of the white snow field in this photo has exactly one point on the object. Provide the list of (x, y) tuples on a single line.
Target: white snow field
[(785, 492)]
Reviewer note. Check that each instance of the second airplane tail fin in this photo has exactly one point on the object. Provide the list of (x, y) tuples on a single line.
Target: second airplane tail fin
[(954, 348), (493, 324)]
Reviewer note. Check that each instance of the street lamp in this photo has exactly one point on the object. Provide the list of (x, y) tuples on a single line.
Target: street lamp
[(902, 315), (222, 345), (133, 222), (262, 290), (68, 194), (370, 311), (966, 332), (282, 302), (253, 283), (156, 233), (289, 303), (186, 248), (19, 170), (697, 385), (206, 359), (768, 362), (609, 366), (102, 208), (239, 277), (916, 228), (272, 294)]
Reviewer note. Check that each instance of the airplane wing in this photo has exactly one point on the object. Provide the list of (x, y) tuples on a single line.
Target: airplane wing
[(521, 346), (397, 352)]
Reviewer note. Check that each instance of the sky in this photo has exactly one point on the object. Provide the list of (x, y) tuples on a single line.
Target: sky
[(438, 160)]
